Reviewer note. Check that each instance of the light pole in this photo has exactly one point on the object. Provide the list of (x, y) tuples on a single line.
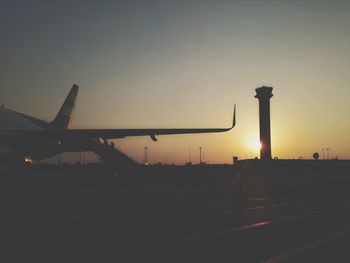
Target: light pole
[(145, 157), (200, 155), (322, 153), (327, 153)]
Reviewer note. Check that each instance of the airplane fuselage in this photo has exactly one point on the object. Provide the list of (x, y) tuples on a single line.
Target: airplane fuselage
[(16, 148)]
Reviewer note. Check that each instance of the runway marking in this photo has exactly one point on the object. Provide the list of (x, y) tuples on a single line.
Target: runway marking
[(259, 199), (263, 207), (241, 201), (268, 222), (307, 247)]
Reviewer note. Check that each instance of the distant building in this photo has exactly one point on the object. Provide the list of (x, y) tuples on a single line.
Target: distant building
[(235, 159)]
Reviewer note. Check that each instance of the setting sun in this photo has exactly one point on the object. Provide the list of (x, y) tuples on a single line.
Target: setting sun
[(255, 145)]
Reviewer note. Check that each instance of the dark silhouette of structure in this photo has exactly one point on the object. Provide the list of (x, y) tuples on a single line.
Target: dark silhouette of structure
[(264, 95), (145, 159), (110, 154), (48, 139)]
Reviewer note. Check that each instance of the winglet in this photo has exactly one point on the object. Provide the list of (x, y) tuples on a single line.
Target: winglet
[(234, 117)]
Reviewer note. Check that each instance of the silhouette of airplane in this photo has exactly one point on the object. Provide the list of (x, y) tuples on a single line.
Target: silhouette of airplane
[(25, 138)]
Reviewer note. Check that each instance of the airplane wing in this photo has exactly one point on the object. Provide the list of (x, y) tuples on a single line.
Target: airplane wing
[(62, 134)]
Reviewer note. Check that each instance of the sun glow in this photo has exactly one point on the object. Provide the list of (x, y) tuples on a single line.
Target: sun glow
[(255, 145)]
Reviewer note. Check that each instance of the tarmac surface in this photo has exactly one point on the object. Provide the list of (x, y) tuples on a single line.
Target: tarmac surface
[(74, 216)]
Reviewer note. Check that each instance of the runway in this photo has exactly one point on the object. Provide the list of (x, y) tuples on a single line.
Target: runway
[(278, 236), (75, 218)]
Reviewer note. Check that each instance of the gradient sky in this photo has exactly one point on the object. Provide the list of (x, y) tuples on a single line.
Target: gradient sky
[(154, 64)]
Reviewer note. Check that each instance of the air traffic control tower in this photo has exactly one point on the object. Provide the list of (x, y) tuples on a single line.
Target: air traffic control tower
[(264, 95)]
